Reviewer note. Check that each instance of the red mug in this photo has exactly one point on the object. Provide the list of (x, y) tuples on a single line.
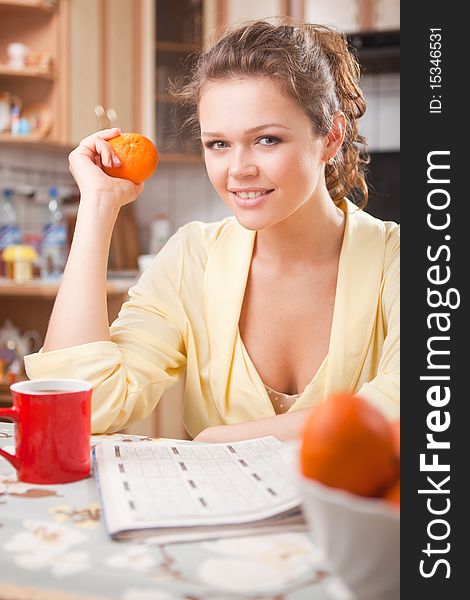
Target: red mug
[(52, 418)]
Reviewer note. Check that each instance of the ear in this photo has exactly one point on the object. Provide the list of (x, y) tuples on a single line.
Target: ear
[(334, 138)]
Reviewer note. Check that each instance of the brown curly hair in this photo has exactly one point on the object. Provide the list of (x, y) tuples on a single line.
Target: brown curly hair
[(315, 67)]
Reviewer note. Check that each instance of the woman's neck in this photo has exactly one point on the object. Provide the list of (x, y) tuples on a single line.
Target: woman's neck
[(311, 235)]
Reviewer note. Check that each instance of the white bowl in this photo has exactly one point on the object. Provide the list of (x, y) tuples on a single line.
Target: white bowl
[(358, 537)]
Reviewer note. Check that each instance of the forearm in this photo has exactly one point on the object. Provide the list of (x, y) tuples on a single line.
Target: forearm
[(80, 313), (284, 427)]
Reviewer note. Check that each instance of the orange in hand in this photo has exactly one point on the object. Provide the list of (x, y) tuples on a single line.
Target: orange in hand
[(347, 443), (138, 156)]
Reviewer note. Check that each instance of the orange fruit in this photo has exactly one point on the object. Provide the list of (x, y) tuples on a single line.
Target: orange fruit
[(138, 156), (392, 494), (347, 443), (396, 436)]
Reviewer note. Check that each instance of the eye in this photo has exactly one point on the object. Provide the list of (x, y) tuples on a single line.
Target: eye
[(268, 140), (215, 145)]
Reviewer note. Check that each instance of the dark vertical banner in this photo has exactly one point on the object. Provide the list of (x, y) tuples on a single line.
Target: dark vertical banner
[(435, 171)]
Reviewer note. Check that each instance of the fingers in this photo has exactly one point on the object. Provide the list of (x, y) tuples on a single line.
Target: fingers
[(95, 148), (104, 152), (105, 134), (90, 156), (97, 161)]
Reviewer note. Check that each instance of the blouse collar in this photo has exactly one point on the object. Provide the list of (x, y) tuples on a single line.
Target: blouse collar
[(356, 303)]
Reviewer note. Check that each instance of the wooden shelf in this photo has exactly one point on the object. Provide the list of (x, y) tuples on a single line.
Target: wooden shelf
[(40, 25), (30, 72), (29, 306), (37, 288), (27, 141), (7, 6), (7, 138)]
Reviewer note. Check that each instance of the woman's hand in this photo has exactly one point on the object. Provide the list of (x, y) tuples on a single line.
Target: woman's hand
[(85, 163), (221, 433), (285, 427), (77, 317)]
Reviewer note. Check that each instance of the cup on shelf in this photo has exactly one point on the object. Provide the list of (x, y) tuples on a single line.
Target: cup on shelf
[(17, 53)]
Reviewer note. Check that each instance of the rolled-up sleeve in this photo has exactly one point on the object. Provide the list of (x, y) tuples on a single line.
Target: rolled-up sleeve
[(145, 356), (384, 389)]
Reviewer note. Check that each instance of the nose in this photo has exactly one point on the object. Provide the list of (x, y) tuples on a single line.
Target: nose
[(242, 165)]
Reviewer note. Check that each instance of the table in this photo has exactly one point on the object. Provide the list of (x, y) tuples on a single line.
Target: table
[(53, 546)]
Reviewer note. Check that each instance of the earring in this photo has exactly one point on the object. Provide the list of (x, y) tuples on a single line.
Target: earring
[(331, 160)]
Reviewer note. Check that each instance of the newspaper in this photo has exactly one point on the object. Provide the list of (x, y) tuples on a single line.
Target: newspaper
[(178, 491)]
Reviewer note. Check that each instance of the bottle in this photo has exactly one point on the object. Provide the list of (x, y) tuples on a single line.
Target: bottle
[(54, 239), (15, 121), (160, 232), (9, 230)]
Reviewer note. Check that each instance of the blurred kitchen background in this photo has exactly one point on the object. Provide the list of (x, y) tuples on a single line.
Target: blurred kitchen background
[(71, 67)]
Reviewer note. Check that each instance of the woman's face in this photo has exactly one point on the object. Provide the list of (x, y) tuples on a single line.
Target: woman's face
[(261, 154)]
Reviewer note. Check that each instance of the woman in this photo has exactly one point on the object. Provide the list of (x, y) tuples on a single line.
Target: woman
[(294, 297)]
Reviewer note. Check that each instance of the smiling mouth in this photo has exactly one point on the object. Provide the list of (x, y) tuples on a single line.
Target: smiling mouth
[(250, 195), (250, 199)]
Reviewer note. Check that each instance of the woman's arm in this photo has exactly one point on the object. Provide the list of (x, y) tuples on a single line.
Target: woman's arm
[(384, 389), (80, 313), (285, 427), (145, 355)]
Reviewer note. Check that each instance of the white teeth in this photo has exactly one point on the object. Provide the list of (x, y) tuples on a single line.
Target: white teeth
[(247, 195)]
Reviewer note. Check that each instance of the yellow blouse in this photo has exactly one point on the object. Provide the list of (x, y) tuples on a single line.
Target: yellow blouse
[(183, 314)]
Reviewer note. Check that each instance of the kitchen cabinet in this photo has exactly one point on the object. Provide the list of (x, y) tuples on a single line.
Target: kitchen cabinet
[(352, 16), (36, 87), (236, 11), (93, 81), (178, 34), (343, 14), (182, 28), (103, 89), (104, 86), (220, 13), (387, 15)]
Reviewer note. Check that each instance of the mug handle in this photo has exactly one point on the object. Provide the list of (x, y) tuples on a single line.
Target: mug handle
[(10, 413)]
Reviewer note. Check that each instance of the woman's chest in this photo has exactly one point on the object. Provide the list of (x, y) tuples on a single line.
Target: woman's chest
[(285, 326)]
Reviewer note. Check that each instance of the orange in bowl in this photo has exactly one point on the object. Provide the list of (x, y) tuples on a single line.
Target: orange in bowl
[(392, 493), (138, 156), (349, 481), (395, 425), (348, 444)]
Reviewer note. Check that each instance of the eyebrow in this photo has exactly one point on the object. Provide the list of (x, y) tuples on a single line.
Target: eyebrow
[(248, 131)]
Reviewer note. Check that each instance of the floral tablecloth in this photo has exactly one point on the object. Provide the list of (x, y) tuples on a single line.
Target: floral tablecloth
[(53, 546)]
